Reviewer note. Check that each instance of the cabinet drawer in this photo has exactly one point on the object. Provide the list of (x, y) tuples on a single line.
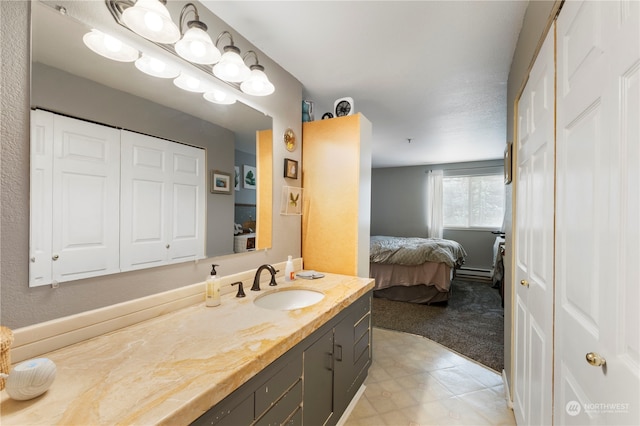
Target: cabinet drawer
[(284, 408), (361, 307), (228, 413), (361, 347), (273, 388), (362, 327), (296, 419)]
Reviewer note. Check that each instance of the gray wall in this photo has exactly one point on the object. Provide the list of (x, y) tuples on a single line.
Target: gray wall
[(399, 206), (536, 22), (20, 305)]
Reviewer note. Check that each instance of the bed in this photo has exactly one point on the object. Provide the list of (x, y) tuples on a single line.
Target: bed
[(410, 269)]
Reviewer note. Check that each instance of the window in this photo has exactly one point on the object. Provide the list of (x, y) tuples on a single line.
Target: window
[(473, 201)]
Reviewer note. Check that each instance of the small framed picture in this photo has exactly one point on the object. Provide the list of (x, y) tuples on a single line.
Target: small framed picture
[(220, 182), (508, 152), (249, 177), (237, 177), (290, 168)]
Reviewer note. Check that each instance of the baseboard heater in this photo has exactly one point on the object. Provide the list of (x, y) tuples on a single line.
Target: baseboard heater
[(475, 272)]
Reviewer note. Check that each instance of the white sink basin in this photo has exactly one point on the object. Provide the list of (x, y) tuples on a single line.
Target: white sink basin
[(288, 299)]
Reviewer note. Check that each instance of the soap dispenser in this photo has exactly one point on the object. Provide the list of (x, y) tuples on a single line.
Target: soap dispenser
[(213, 288), (289, 273)]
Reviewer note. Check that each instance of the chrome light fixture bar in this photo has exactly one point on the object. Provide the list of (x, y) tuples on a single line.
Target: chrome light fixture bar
[(148, 18)]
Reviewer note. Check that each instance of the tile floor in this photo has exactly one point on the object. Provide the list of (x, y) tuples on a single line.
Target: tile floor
[(414, 381)]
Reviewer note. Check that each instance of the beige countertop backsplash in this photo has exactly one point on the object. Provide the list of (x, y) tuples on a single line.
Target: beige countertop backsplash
[(175, 364)]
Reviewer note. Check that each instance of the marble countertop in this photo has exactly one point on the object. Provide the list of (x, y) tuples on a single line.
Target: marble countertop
[(172, 369)]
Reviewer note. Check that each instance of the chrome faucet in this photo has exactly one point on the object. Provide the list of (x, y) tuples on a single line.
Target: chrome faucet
[(256, 279)]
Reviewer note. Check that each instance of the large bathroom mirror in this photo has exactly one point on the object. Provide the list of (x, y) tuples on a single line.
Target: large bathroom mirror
[(69, 79)]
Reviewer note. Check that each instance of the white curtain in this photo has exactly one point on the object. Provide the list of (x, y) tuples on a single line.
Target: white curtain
[(434, 204)]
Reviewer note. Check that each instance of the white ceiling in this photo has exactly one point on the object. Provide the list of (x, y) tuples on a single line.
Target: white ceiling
[(434, 72)]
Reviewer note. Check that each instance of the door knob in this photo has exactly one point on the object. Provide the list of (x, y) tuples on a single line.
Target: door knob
[(55, 257), (524, 283), (168, 245), (595, 359)]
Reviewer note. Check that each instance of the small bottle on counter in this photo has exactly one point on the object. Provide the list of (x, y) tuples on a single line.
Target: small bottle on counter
[(212, 297), (289, 273)]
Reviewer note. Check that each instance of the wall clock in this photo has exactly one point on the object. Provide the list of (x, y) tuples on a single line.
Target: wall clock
[(289, 139), (343, 106)]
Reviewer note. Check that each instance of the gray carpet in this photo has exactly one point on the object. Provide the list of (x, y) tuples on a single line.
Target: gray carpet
[(470, 323)]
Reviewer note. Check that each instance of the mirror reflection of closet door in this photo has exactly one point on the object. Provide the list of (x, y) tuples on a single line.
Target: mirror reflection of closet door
[(77, 199), (162, 202)]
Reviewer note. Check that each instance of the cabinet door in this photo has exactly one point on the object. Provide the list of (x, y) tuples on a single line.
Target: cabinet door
[(317, 406), (86, 199), (352, 352)]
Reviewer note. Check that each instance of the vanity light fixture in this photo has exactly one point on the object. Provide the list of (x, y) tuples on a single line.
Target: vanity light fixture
[(231, 66), (257, 84), (109, 47), (151, 20), (196, 45), (219, 97), (156, 67)]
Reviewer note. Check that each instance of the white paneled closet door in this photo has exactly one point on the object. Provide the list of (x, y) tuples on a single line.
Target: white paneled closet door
[(188, 214), (41, 199), (86, 201), (163, 202), (146, 196), (533, 236), (598, 214)]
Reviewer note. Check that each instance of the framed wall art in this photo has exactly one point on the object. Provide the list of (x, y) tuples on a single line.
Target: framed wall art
[(249, 177), (220, 182), (236, 178), (291, 203), (508, 151), (290, 168)]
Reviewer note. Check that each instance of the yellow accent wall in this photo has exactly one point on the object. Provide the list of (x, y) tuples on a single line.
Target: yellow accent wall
[(336, 177), (264, 197)]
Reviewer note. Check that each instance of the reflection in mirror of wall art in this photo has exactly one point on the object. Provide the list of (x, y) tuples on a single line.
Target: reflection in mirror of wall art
[(291, 203), (236, 178), (507, 163), (249, 179), (290, 168), (220, 182)]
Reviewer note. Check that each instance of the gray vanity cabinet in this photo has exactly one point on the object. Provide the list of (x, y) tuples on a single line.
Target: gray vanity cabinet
[(312, 384)]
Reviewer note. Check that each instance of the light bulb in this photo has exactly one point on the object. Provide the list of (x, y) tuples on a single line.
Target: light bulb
[(219, 97), (109, 46), (156, 67), (153, 21)]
